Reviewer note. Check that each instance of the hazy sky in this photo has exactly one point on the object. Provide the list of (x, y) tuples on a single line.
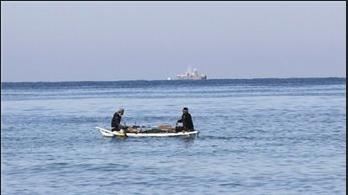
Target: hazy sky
[(107, 41)]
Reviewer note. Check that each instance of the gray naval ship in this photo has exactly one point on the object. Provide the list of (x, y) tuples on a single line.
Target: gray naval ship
[(191, 75)]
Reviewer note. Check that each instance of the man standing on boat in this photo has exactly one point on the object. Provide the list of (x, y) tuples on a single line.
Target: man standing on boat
[(116, 120), (186, 121)]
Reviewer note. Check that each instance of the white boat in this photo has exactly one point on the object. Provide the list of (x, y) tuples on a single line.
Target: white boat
[(108, 133), (192, 75)]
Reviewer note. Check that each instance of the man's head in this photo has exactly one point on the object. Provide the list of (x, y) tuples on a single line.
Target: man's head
[(121, 111), (185, 109)]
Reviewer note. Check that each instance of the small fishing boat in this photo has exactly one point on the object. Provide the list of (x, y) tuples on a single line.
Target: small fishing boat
[(153, 132)]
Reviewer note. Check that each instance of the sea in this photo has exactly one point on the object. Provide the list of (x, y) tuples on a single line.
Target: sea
[(276, 136)]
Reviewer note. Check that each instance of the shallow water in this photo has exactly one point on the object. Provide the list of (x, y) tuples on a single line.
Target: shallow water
[(258, 136)]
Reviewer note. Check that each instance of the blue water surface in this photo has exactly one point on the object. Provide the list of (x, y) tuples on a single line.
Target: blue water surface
[(257, 136)]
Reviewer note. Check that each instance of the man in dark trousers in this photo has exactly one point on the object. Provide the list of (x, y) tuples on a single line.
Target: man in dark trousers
[(116, 120), (186, 121)]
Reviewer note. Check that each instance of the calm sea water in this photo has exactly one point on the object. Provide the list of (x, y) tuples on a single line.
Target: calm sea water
[(258, 136)]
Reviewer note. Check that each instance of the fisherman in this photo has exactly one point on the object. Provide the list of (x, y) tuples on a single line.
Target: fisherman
[(186, 121), (116, 123), (116, 120)]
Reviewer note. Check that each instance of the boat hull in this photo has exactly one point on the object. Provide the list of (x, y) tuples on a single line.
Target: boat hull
[(108, 133)]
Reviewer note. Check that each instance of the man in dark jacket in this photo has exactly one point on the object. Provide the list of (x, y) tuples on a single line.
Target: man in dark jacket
[(116, 120), (186, 121)]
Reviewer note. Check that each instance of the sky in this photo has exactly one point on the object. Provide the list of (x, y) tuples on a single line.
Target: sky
[(110, 41)]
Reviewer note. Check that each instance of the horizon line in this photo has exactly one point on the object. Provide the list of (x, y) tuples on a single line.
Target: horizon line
[(326, 77)]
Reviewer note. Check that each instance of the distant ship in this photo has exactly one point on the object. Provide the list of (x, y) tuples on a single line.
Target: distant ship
[(192, 75)]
